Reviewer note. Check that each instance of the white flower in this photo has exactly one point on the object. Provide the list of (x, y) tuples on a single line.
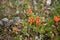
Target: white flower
[(48, 2)]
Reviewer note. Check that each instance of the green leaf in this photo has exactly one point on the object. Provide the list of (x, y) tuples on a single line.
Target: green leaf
[(58, 26), (31, 14), (49, 34), (2, 6), (24, 23), (48, 29), (24, 31), (42, 30), (16, 2), (16, 38)]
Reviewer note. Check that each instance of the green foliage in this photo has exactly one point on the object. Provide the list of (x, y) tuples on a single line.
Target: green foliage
[(57, 38), (2, 7), (58, 26), (16, 38)]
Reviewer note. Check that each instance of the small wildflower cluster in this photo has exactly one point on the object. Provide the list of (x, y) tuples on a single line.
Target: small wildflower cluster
[(32, 19)]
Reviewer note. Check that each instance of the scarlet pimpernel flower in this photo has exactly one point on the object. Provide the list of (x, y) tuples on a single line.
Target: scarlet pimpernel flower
[(29, 10), (56, 18), (37, 20), (31, 19)]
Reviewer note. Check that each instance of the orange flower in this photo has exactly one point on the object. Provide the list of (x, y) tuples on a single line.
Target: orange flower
[(15, 29), (29, 10), (38, 19), (30, 19), (56, 18)]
